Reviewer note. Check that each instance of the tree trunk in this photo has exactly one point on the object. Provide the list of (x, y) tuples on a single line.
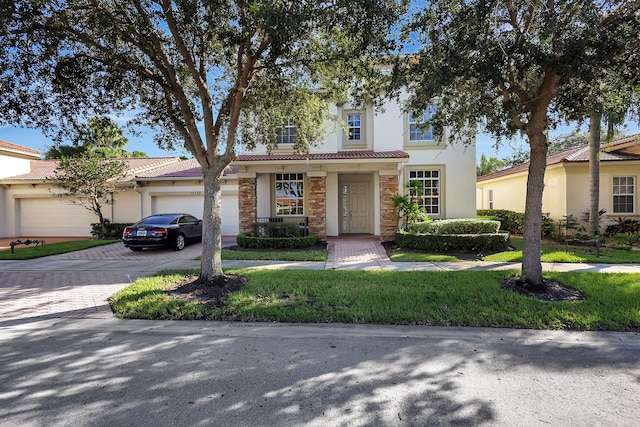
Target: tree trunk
[(531, 263), (594, 172), (211, 266)]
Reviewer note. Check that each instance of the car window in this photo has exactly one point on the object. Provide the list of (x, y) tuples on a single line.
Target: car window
[(159, 219), (188, 219)]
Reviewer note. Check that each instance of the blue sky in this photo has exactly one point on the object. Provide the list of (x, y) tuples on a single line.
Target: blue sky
[(34, 139)]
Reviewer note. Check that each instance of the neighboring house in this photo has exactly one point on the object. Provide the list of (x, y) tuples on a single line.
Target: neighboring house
[(566, 183), (344, 186)]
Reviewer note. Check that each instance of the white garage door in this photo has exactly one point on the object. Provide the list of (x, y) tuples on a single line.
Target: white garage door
[(194, 205), (54, 217)]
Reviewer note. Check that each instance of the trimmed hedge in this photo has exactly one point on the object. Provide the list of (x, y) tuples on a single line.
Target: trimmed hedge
[(276, 229), (114, 230), (456, 226), (510, 221), (453, 242), (246, 241)]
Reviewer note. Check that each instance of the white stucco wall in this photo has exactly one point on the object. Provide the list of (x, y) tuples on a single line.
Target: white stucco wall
[(11, 166)]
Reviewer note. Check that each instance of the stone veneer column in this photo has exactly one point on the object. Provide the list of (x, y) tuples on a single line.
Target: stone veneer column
[(247, 201), (388, 212), (317, 204)]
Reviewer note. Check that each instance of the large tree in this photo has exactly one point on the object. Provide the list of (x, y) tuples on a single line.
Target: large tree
[(503, 64), (194, 70)]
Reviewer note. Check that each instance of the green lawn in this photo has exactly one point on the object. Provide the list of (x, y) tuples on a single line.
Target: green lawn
[(551, 252), (464, 298), (284, 255), (23, 252), (557, 252)]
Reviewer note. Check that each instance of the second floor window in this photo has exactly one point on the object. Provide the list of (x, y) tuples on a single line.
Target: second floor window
[(354, 125), (417, 130), (287, 134)]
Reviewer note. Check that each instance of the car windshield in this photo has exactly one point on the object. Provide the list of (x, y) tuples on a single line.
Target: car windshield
[(157, 220)]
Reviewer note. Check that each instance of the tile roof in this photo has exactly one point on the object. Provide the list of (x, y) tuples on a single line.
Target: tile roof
[(45, 169), (183, 169), (341, 155), (573, 155), (18, 148)]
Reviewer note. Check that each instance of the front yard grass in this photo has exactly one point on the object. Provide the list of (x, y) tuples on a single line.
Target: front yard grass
[(280, 255), (551, 252), (22, 252), (463, 298)]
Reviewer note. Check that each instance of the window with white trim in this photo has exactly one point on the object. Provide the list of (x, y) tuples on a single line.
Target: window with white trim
[(624, 194), (427, 194), (490, 199), (418, 132), (355, 131), (287, 134), (289, 192)]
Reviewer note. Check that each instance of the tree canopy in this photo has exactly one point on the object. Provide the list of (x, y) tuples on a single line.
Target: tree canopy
[(100, 136), (194, 71), (509, 67)]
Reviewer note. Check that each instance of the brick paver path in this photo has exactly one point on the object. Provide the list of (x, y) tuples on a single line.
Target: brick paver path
[(356, 250)]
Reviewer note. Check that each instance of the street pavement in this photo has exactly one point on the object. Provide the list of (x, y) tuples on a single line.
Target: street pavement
[(66, 361)]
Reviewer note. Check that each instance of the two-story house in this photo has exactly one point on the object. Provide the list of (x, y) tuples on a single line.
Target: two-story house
[(343, 186), (346, 185)]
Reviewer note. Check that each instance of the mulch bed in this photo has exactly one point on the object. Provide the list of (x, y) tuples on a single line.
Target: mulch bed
[(194, 289), (551, 291)]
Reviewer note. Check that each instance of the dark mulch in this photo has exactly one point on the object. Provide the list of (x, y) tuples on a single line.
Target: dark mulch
[(550, 291), (192, 288)]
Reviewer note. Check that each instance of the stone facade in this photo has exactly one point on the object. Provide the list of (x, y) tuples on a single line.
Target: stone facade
[(247, 203), (317, 206), (388, 212)]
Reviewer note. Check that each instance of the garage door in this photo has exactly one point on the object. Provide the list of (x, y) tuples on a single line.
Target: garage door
[(54, 217), (194, 205)]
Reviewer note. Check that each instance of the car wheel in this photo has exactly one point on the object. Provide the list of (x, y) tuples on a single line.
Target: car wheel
[(136, 249), (178, 245)]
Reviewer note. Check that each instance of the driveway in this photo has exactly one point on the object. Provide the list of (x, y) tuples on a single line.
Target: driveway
[(77, 284)]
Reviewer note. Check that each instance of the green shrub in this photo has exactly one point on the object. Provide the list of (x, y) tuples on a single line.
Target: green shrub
[(453, 242), (626, 239), (456, 226), (510, 221), (548, 226), (246, 241), (114, 230), (276, 229)]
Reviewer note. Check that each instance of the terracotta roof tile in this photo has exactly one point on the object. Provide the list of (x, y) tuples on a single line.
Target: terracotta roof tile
[(341, 155), (183, 169), (19, 148)]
